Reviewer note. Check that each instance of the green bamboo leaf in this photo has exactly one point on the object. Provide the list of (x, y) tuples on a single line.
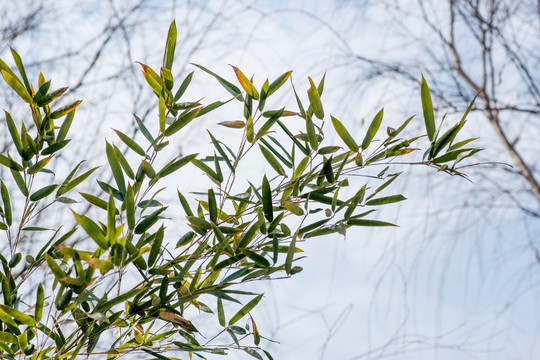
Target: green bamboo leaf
[(328, 150), (55, 268), (92, 229), (148, 221), (10, 163), (294, 208), (290, 255), (43, 192), (50, 97), (460, 144), (300, 168), (64, 110), (276, 153), (69, 184), (8, 337), (183, 87), (170, 46), (268, 124), (7, 203), (272, 160), (267, 200), (111, 221), (144, 130), (276, 84), (221, 152), (123, 163), (21, 184), (296, 142), (162, 116), (372, 130), (184, 203), (182, 121), (14, 133), (311, 134), (40, 299), (66, 124), (246, 309), (233, 89), (103, 307), (130, 207), (20, 67), (19, 316), (156, 246), (39, 165), (250, 133), (212, 206), (221, 312), (344, 134), (130, 143), (386, 200), (16, 85), (427, 108), (148, 169), (367, 222), (58, 145), (7, 319), (211, 173), (199, 222), (357, 198), (452, 155), (245, 83), (315, 100)]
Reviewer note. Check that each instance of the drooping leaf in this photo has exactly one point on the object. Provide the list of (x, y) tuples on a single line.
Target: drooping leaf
[(130, 143), (7, 203), (233, 89), (272, 160), (16, 85), (14, 133), (267, 200)]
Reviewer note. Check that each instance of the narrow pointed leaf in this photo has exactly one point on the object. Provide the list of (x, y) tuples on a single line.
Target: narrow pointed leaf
[(92, 229), (245, 83), (231, 88), (246, 309), (344, 134), (315, 100), (372, 130), (427, 108)]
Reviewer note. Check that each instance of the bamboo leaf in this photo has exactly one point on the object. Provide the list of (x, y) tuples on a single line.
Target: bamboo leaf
[(386, 200), (10, 163), (272, 160), (246, 309), (175, 165), (7, 203), (14, 133), (276, 84), (16, 85), (130, 207), (64, 110), (372, 130), (130, 143), (315, 100), (69, 184), (267, 200), (92, 229), (245, 83), (233, 89), (183, 87), (182, 121), (43, 192), (148, 221), (427, 108), (170, 46), (344, 134), (237, 124), (221, 152)]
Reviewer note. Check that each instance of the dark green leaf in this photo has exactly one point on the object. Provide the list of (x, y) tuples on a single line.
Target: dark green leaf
[(43, 192), (182, 121), (233, 89)]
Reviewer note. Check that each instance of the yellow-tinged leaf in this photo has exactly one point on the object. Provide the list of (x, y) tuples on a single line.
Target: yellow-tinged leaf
[(245, 83), (315, 100), (238, 124)]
